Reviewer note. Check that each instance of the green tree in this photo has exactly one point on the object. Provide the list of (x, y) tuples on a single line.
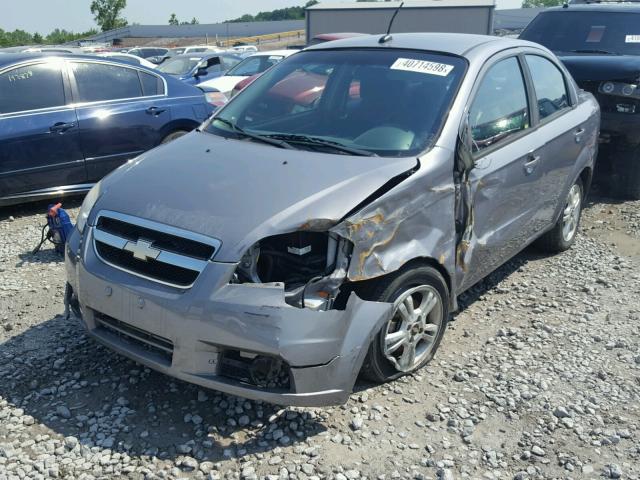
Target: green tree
[(541, 3), (289, 13), (106, 13), (37, 38), (173, 20)]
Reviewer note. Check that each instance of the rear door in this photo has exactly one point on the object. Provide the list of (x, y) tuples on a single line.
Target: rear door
[(121, 112), (506, 180), (39, 139), (561, 134)]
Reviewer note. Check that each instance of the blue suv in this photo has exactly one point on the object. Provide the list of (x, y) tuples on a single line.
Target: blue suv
[(66, 121)]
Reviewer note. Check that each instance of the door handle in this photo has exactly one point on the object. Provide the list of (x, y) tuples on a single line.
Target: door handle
[(531, 163), (578, 134), (61, 127), (154, 111)]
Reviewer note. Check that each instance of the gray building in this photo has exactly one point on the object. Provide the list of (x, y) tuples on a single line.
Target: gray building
[(460, 16)]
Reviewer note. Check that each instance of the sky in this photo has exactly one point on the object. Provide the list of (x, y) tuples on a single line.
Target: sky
[(42, 16)]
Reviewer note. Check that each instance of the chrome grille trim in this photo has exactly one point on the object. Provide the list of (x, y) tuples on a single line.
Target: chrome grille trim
[(173, 259)]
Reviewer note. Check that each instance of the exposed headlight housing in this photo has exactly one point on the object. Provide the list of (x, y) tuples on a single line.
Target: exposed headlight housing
[(87, 205), (311, 265)]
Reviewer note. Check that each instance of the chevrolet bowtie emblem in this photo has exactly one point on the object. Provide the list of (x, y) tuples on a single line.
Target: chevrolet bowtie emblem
[(142, 250)]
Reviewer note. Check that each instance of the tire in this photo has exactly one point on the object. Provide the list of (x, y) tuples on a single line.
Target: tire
[(624, 180), (419, 286), (173, 135), (565, 231)]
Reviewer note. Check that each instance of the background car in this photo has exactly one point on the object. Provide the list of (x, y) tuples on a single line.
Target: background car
[(196, 68), (172, 52), (252, 65), (148, 52), (128, 58), (244, 48), (600, 45), (66, 120)]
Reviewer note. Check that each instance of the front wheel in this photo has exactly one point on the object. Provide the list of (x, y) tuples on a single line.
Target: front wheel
[(410, 338), (173, 136), (565, 231)]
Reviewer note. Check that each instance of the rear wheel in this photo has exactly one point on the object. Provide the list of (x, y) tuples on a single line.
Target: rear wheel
[(564, 233), (409, 340), (173, 136)]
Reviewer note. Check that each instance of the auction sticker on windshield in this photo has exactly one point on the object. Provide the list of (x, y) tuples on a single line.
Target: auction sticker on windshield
[(632, 39), (422, 66)]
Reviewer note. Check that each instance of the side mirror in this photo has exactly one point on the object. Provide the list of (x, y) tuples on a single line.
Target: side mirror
[(200, 72), (464, 148)]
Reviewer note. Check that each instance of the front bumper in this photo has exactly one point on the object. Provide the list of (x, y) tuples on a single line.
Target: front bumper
[(186, 333)]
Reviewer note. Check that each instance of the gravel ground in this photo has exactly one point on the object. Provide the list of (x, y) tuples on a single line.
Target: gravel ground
[(538, 377)]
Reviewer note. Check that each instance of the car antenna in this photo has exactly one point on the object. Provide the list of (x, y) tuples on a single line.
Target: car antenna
[(387, 36)]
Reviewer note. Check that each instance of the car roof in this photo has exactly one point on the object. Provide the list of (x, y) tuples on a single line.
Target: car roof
[(15, 58), (461, 44), (597, 7), (284, 53), (205, 55)]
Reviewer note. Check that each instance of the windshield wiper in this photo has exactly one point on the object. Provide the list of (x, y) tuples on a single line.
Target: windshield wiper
[(317, 141), (586, 50), (254, 136)]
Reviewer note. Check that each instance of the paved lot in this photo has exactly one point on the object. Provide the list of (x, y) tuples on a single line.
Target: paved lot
[(538, 377)]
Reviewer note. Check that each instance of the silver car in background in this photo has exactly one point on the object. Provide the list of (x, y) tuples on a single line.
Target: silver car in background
[(322, 224)]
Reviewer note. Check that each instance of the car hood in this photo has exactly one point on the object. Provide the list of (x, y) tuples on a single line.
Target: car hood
[(602, 67), (224, 84), (240, 191)]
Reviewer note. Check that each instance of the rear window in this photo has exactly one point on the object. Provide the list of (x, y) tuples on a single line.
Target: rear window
[(97, 82), (31, 88), (586, 32)]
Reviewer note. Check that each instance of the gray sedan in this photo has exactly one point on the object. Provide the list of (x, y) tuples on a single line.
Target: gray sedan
[(322, 224)]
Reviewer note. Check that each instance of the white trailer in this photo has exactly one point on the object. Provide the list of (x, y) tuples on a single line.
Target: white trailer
[(460, 16)]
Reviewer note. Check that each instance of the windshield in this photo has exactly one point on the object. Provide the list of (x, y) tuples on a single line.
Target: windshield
[(387, 102), (586, 32), (254, 65), (179, 65)]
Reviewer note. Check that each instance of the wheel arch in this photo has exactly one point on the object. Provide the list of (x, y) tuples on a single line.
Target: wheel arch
[(176, 125), (415, 263)]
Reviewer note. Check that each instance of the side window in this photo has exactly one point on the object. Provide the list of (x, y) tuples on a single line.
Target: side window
[(229, 62), (549, 85), (213, 65), (98, 82), (500, 106), (31, 87), (151, 85)]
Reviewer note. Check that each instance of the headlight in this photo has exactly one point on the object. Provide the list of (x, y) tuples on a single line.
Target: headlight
[(620, 89), (87, 205)]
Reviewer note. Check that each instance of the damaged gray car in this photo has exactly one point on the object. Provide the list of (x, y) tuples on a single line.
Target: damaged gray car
[(321, 224)]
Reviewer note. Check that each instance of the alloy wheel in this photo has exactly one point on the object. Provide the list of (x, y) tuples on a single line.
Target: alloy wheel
[(411, 333), (571, 213)]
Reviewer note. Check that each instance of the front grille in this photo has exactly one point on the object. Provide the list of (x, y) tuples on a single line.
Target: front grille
[(154, 347), (154, 270), (162, 240), (152, 250)]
